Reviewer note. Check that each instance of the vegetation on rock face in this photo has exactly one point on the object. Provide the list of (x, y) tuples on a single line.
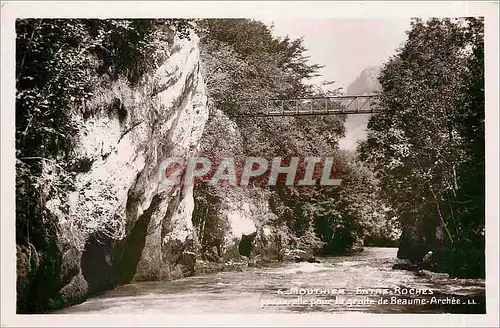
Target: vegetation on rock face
[(427, 143), (61, 66)]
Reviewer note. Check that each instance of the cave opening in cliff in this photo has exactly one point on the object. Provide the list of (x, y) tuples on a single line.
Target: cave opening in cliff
[(245, 246)]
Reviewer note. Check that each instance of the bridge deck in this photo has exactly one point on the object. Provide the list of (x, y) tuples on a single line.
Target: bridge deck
[(317, 106)]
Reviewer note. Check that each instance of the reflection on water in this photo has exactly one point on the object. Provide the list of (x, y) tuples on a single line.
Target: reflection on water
[(334, 285)]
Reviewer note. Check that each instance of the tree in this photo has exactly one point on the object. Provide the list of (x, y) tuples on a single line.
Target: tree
[(244, 65), (430, 115)]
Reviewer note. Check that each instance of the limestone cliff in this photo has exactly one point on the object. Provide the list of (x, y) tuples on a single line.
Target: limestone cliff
[(118, 222)]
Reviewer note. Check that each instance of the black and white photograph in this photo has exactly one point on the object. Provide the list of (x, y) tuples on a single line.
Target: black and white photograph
[(250, 163)]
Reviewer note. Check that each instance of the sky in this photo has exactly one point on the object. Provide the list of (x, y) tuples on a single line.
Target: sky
[(345, 47)]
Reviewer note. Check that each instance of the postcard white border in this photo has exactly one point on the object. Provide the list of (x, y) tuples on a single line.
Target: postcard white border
[(285, 9)]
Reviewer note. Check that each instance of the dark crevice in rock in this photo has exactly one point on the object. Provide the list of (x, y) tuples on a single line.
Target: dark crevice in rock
[(96, 263), (134, 244), (245, 246), (82, 165), (120, 109)]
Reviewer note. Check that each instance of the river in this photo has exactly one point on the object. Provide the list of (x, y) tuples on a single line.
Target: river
[(363, 282)]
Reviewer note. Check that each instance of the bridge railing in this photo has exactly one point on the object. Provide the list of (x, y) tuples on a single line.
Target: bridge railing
[(318, 106), (312, 106)]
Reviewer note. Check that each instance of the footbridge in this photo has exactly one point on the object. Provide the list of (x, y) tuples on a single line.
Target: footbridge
[(354, 104)]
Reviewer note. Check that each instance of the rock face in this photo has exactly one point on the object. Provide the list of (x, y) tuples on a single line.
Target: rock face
[(232, 221), (366, 83), (237, 224), (404, 265), (298, 255), (146, 229), (432, 275), (119, 223)]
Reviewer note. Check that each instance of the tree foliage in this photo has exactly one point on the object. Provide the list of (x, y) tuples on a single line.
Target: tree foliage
[(245, 65), (427, 141)]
